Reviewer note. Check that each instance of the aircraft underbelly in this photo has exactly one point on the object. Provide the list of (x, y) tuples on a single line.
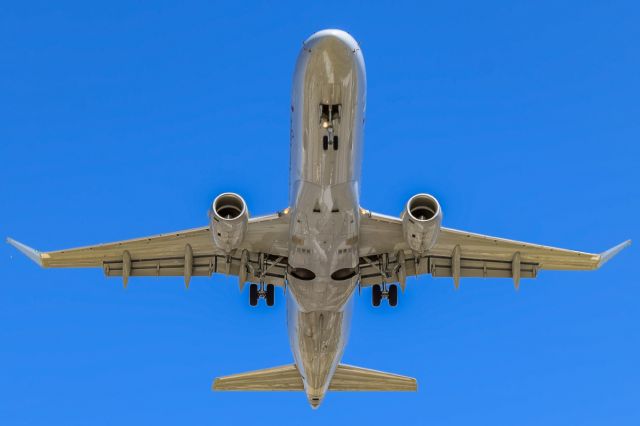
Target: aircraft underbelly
[(327, 116)]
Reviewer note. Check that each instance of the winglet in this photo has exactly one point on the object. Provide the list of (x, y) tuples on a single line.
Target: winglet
[(27, 251), (605, 256)]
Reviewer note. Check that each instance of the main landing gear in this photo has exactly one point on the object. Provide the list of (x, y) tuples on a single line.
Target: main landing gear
[(379, 292), (263, 292)]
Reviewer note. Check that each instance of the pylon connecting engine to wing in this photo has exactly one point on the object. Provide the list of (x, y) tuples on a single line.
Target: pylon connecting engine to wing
[(421, 221), (228, 218)]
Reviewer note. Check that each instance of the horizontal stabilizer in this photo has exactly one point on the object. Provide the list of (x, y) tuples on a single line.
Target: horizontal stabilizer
[(284, 378), (287, 378), (351, 378)]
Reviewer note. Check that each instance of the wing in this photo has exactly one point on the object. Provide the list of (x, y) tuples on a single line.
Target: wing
[(188, 253), (461, 254)]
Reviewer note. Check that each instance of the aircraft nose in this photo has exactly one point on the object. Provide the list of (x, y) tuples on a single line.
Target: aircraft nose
[(331, 58), (332, 40)]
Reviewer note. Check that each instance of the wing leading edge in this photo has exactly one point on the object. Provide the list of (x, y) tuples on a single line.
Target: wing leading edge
[(184, 253)]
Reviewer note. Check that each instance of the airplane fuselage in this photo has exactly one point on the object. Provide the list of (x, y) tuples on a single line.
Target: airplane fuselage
[(327, 125)]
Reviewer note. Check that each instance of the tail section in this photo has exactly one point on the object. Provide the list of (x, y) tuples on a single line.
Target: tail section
[(287, 378)]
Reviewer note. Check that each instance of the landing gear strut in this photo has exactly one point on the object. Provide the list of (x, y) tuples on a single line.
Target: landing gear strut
[(329, 115), (263, 292), (379, 292)]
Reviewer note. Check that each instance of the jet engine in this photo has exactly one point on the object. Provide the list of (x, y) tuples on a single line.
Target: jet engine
[(421, 220), (228, 219)]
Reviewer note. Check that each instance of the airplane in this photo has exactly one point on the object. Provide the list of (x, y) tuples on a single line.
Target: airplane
[(323, 248)]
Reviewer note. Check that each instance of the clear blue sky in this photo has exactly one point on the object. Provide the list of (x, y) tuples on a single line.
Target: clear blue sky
[(125, 119)]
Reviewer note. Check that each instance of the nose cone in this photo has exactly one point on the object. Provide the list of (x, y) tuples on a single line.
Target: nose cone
[(332, 57), (330, 65), (335, 38)]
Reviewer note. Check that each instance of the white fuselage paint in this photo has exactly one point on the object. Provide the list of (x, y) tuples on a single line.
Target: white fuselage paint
[(324, 197)]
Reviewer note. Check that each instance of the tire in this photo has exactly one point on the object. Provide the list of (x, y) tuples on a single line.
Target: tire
[(335, 143), (271, 294), (253, 294), (393, 295), (376, 295), (325, 142)]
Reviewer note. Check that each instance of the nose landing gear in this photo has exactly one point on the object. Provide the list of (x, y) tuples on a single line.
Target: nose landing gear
[(329, 115), (263, 292), (379, 292), (326, 139)]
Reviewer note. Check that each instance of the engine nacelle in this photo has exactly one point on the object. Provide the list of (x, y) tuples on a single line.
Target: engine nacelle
[(228, 218), (421, 220)]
